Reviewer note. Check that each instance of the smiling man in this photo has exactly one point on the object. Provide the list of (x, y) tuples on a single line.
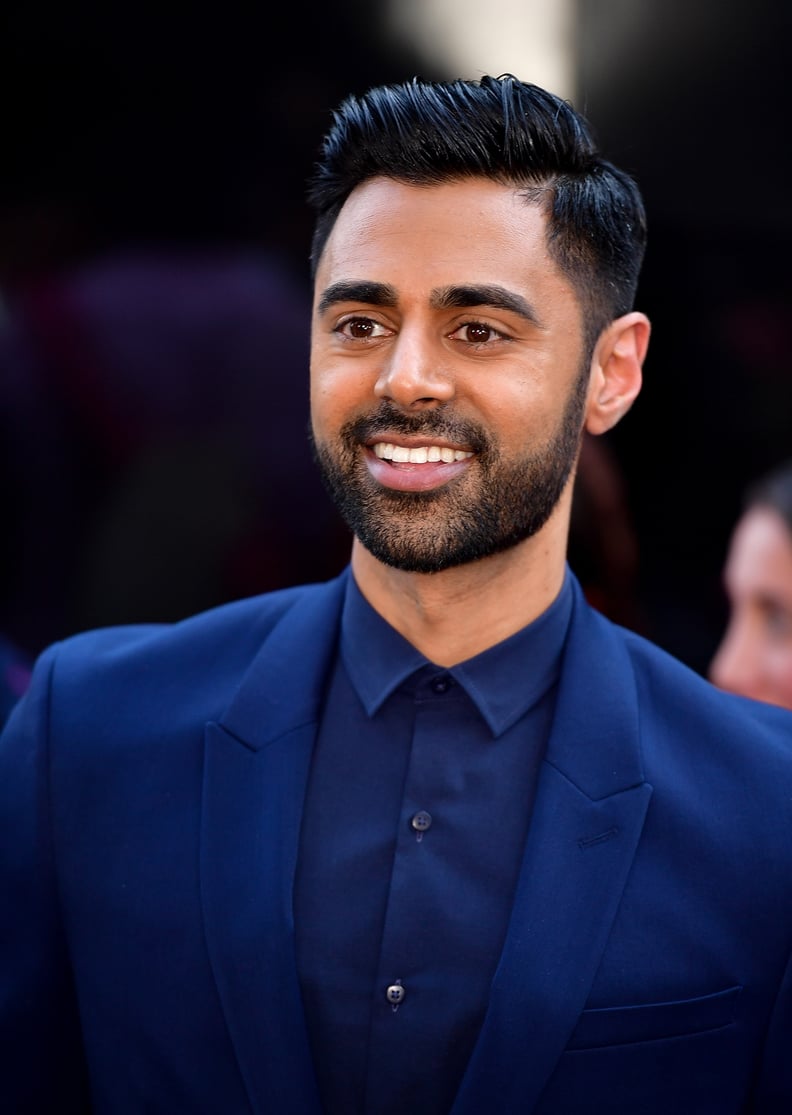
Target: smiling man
[(452, 377), (434, 837)]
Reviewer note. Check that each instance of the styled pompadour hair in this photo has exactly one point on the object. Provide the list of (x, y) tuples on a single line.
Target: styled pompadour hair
[(509, 131)]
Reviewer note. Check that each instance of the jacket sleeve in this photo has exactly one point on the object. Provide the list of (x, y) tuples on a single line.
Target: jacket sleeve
[(42, 1067)]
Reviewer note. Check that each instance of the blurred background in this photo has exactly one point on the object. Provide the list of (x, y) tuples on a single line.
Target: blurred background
[(154, 291)]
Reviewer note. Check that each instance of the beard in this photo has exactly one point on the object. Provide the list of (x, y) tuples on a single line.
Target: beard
[(494, 506)]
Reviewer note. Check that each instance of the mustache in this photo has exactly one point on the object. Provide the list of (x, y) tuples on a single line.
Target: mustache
[(428, 423)]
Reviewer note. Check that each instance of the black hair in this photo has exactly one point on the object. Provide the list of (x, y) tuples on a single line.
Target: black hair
[(428, 132), (774, 491)]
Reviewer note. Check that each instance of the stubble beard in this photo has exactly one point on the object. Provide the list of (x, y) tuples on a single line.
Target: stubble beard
[(469, 518)]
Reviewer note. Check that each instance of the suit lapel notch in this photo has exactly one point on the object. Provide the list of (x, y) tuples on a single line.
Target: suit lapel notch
[(577, 861)]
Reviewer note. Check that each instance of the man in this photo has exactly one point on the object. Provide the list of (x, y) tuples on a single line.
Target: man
[(434, 837)]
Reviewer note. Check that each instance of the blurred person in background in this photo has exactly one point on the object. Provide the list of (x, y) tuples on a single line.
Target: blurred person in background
[(754, 658)]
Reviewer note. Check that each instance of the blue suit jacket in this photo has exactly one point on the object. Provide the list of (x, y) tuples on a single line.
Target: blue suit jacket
[(151, 785)]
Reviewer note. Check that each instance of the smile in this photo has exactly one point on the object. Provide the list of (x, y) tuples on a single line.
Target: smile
[(421, 455)]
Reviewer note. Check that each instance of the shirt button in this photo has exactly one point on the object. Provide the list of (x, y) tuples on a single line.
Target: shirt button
[(395, 994), (441, 684), (421, 821)]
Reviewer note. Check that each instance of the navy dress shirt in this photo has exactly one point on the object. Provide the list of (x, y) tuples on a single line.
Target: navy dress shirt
[(415, 821)]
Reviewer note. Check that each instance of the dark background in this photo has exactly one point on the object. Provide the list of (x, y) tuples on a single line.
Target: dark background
[(153, 270), (694, 99)]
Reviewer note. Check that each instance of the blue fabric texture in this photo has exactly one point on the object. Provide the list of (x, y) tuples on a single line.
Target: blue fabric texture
[(152, 785)]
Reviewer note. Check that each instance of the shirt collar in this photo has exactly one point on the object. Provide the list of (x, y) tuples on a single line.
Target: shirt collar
[(503, 682)]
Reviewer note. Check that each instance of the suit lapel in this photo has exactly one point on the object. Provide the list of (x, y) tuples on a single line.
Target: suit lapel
[(588, 816), (256, 767)]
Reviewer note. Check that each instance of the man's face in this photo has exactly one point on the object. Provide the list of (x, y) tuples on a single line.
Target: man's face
[(755, 656), (447, 379)]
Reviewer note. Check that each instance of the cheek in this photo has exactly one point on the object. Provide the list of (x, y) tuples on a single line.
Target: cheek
[(333, 396), (516, 409)]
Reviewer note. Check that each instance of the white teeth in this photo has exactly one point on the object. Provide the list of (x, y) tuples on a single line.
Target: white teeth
[(419, 456)]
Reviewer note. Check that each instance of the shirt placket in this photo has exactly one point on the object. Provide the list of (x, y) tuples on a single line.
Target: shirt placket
[(405, 1008)]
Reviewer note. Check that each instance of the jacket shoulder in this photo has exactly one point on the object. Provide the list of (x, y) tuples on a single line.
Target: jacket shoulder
[(689, 725), (662, 677), (196, 663)]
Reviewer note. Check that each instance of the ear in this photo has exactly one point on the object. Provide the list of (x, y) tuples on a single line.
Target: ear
[(616, 371)]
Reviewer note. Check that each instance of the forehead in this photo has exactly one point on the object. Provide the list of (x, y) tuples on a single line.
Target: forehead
[(419, 237), (760, 555)]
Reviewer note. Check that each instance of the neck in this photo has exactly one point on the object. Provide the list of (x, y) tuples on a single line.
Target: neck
[(455, 614)]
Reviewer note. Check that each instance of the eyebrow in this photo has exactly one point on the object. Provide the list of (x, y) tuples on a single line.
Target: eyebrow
[(358, 290), (497, 297), (443, 298)]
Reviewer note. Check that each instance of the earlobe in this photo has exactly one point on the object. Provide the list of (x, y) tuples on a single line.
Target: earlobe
[(616, 371)]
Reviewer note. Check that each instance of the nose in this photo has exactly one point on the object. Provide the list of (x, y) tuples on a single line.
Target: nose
[(737, 664), (414, 376)]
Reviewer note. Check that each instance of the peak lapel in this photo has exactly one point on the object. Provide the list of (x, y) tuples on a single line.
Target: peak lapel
[(256, 766), (587, 820)]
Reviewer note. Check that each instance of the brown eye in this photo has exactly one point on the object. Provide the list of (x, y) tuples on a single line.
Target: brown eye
[(477, 333), (360, 328)]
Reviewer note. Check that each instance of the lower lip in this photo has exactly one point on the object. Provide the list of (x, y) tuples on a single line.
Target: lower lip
[(406, 477)]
